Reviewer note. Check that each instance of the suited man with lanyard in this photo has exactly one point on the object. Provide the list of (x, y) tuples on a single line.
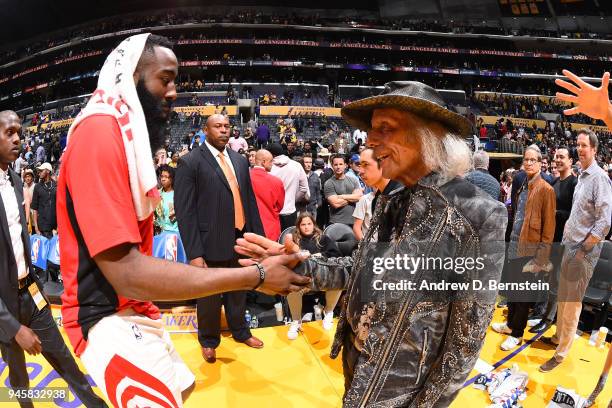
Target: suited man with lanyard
[(215, 204), (26, 322)]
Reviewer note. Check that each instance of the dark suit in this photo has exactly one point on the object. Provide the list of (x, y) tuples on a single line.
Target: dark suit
[(18, 308), (204, 208)]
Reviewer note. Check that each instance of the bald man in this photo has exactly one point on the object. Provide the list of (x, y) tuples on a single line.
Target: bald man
[(269, 192), (215, 204)]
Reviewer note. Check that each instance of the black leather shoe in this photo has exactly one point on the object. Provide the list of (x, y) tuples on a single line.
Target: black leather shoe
[(541, 327)]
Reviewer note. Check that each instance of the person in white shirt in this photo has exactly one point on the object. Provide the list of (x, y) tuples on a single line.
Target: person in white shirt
[(359, 134), (20, 164), (295, 181), (237, 142)]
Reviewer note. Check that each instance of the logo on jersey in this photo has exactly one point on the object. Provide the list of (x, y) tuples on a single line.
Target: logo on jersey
[(35, 248), (137, 333), (171, 248)]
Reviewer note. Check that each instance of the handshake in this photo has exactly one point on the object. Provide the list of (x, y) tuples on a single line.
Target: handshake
[(277, 260)]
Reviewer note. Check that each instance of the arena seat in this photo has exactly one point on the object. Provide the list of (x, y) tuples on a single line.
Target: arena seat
[(599, 292), (39, 247), (343, 236), (168, 245), (288, 230)]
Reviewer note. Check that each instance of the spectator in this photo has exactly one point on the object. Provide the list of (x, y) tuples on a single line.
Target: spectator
[(532, 233), (371, 173), (506, 186), (359, 135), (248, 136), (554, 172), (161, 158), (20, 164), (545, 168), (43, 202), (295, 183), (41, 155), (293, 151), (252, 124), (354, 172), (252, 153), (342, 193), (262, 136), (237, 142), (196, 143), (269, 192), (308, 236), (564, 191), (587, 225), (324, 174), (29, 156), (480, 176), (165, 217), (314, 185), (310, 149), (28, 192)]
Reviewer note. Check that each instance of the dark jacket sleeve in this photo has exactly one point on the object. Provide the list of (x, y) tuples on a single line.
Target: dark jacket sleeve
[(35, 197), (469, 319), (186, 209), (9, 325)]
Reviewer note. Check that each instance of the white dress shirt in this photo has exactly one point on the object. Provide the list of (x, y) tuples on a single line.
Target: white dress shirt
[(9, 199), (215, 153)]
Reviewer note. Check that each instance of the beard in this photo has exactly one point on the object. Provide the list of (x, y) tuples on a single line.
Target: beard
[(157, 122)]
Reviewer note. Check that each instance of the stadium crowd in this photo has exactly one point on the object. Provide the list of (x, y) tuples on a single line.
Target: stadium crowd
[(318, 178)]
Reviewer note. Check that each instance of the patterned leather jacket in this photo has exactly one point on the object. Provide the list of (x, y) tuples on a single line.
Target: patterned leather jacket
[(416, 347)]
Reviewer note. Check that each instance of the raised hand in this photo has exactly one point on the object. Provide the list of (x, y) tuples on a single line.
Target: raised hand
[(258, 248), (589, 100)]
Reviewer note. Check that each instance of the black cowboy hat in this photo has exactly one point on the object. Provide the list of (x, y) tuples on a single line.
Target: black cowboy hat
[(411, 96)]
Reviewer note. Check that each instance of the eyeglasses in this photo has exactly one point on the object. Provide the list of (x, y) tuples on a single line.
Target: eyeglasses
[(530, 161)]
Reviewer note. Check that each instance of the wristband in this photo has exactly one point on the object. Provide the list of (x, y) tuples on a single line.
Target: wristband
[(262, 274)]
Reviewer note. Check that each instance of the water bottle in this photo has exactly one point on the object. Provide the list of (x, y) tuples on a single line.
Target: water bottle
[(318, 310), (254, 322), (593, 338), (247, 317)]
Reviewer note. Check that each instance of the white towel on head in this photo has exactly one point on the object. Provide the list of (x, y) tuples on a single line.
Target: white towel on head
[(116, 96)]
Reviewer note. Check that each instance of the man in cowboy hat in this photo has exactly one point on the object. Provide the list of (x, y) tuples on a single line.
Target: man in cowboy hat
[(408, 337)]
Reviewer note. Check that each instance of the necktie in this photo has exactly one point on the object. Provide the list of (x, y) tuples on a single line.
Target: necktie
[(231, 179)]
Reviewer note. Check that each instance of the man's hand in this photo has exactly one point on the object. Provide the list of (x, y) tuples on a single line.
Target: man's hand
[(258, 248), (199, 262), (591, 101), (280, 279), (28, 340)]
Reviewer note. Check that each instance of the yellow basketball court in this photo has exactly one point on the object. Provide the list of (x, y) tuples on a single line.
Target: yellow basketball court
[(299, 373)]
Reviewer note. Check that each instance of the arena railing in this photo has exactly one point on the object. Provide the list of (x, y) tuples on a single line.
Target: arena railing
[(390, 32), (359, 67)]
